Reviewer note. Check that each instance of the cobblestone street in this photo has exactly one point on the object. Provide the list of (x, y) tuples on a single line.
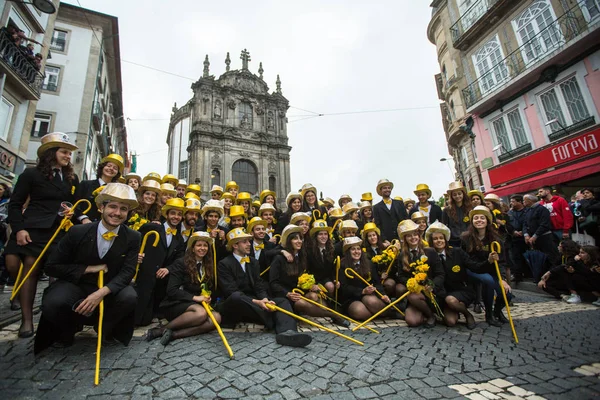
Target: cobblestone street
[(557, 358)]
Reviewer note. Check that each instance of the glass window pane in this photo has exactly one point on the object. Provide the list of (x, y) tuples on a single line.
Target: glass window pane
[(246, 175), (552, 110), (574, 99), (501, 135), (517, 129)]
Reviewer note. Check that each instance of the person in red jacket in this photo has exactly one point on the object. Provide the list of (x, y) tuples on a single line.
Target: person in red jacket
[(560, 212)]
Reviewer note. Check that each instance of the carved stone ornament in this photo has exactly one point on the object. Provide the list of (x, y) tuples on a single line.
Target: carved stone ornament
[(259, 109), (272, 167), (216, 160), (218, 109), (270, 121), (231, 104), (245, 153), (205, 99)]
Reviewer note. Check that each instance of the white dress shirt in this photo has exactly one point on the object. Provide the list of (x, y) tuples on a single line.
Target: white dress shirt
[(103, 244), (239, 258), (168, 236)]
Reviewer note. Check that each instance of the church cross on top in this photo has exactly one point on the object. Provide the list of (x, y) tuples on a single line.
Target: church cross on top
[(245, 58)]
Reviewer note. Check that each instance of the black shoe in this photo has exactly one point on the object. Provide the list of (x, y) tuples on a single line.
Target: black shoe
[(430, 323), (25, 334), (293, 339), (153, 334), (15, 305), (499, 315), (477, 308), (340, 321), (471, 324), (492, 321), (167, 337)]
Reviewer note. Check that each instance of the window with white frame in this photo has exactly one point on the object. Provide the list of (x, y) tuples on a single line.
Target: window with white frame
[(538, 33), (6, 112), (41, 125), (464, 158), (564, 104), (51, 79), (471, 11), (591, 9), (58, 41), (489, 65), (183, 170), (509, 131)]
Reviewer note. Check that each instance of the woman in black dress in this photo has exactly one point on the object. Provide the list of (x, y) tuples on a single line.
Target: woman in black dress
[(320, 255), (133, 180), (366, 212), (456, 214), (44, 188), (554, 281), (148, 208), (191, 282), (294, 205)]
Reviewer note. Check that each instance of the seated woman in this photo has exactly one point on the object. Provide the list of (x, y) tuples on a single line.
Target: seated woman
[(421, 220), (476, 242), (459, 292), (320, 255), (359, 301), (283, 277), (583, 277), (148, 208), (419, 309), (554, 282), (373, 246), (191, 282)]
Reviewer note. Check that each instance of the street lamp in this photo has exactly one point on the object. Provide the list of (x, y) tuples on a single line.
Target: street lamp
[(44, 6), (449, 166)]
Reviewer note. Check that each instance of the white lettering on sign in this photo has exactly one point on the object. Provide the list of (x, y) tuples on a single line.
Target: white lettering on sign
[(574, 148)]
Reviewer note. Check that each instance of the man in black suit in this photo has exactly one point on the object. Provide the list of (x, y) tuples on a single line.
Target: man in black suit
[(388, 213), (152, 279), (191, 217), (431, 210), (261, 250), (105, 245), (246, 294)]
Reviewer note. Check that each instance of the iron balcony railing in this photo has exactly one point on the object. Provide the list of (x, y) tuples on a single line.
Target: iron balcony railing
[(12, 56), (468, 19), (555, 35)]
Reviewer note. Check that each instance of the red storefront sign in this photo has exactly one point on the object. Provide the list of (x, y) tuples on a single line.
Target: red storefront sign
[(550, 157)]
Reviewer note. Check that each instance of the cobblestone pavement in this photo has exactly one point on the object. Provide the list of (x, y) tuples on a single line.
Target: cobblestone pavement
[(558, 357)]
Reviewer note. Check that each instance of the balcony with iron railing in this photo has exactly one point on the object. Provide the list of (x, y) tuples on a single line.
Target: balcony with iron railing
[(14, 62), (549, 46)]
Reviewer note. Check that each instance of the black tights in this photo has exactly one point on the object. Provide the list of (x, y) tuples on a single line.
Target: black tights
[(29, 288), (192, 322)]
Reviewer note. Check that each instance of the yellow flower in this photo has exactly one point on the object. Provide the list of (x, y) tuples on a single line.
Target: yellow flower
[(306, 281), (466, 219), (456, 268), (423, 268), (72, 189), (413, 286), (133, 218), (421, 277), (496, 212), (424, 258)]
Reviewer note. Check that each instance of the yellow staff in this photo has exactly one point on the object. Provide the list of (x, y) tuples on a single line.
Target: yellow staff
[(143, 247), (64, 224), (389, 268), (299, 318), (495, 245), (337, 280), (214, 249), (265, 271), (316, 214), (378, 313), (316, 303), (214, 321), (348, 270), (100, 320)]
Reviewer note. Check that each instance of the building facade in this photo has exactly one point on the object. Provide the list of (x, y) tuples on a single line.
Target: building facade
[(20, 81), (82, 92), (529, 88), (232, 129)]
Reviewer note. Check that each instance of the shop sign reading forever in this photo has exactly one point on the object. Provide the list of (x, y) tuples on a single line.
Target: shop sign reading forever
[(552, 156)]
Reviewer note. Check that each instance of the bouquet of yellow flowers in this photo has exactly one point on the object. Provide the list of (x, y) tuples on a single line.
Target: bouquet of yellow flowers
[(136, 221), (386, 257), (306, 281), (420, 281)]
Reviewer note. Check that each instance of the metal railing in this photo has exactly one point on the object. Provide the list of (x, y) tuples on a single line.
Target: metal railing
[(16, 59), (470, 17), (577, 126), (554, 36)]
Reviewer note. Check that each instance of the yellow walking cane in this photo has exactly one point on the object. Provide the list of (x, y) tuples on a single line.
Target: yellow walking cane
[(316, 303), (100, 320), (66, 222), (143, 247), (337, 280), (214, 321), (265, 271), (299, 318), (495, 245), (389, 268), (350, 273), (214, 249), (378, 313)]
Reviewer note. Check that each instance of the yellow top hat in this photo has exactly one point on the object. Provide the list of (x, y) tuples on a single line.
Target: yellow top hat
[(308, 187), (133, 176), (344, 197), (408, 200), (200, 235), (329, 201), (154, 177), (235, 235), (351, 241), (382, 183), (287, 231), (168, 188), (318, 226), (194, 188), (256, 204), (190, 195), (416, 216), (117, 192), (266, 207), (213, 205), (256, 221), (216, 189), (193, 205), (227, 195), (150, 185), (398, 198), (243, 196), (336, 212), (405, 227), (368, 196), (299, 216), (115, 159), (481, 210), (349, 208), (54, 140), (437, 227), (456, 186), (266, 193), (370, 227), (493, 198), (422, 187), (181, 182), (364, 204), (237, 211), (172, 179), (231, 184), (476, 193), (348, 225), (173, 204)]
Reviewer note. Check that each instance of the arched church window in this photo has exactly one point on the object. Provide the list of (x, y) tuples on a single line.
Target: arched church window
[(215, 177), (245, 115), (246, 175)]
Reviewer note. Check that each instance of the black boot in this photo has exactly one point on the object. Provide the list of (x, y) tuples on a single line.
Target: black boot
[(498, 314), (489, 318)]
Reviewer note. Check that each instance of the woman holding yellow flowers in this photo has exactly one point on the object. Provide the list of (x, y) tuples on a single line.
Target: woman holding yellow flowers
[(456, 214), (191, 283), (286, 276), (321, 255), (148, 209)]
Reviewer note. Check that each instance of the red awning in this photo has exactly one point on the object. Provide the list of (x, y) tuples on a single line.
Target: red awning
[(559, 175)]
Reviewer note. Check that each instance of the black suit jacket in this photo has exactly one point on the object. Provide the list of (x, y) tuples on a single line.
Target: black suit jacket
[(388, 220), (161, 255), (266, 254), (435, 213), (44, 196), (232, 278), (84, 191), (79, 248), (457, 278)]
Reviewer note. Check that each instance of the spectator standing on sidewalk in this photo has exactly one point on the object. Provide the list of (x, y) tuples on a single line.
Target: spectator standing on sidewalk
[(537, 231), (517, 216), (561, 216)]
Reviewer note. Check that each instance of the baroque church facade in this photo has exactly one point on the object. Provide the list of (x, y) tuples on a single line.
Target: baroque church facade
[(232, 129)]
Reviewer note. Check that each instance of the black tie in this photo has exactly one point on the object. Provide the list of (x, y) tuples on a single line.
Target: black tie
[(56, 179), (443, 258), (414, 254)]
